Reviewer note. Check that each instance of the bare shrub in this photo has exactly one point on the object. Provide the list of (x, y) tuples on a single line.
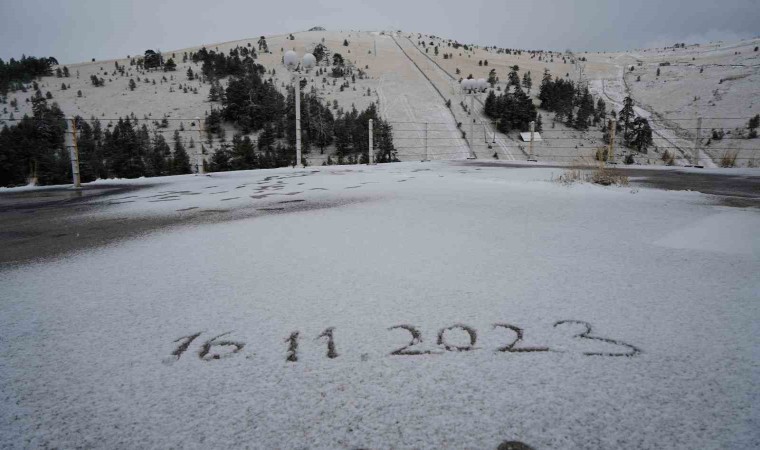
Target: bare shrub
[(597, 175), (728, 159), (607, 177)]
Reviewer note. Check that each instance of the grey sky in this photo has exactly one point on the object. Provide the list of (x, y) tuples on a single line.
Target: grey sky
[(77, 30)]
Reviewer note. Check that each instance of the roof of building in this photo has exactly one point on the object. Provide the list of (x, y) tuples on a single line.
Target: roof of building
[(526, 136)]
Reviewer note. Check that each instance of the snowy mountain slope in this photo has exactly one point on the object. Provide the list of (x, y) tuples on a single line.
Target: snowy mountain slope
[(726, 92)]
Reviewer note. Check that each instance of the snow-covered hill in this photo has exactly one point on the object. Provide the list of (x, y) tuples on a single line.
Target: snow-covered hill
[(411, 85)]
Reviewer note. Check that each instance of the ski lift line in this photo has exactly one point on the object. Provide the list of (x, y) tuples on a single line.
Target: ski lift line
[(543, 156), (198, 144), (429, 139), (422, 146), (452, 138), (459, 138), (390, 122), (592, 148)]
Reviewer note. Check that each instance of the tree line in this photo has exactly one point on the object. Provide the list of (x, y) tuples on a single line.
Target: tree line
[(13, 74), (253, 104), (575, 105), (513, 109), (35, 148)]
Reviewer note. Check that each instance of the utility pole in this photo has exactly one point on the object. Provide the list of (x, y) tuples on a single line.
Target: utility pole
[(530, 146), (298, 119), (697, 143), (371, 160), (426, 142), (199, 157), (611, 151), (74, 154)]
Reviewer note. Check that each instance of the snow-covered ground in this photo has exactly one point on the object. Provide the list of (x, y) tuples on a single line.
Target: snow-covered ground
[(640, 307)]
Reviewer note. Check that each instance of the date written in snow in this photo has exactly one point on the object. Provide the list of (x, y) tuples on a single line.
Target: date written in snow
[(511, 344)]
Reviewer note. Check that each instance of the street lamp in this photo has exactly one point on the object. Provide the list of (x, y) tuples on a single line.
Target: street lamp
[(291, 61), (472, 87)]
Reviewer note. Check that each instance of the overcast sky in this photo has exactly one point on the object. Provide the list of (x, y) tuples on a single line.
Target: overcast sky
[(77, 30)]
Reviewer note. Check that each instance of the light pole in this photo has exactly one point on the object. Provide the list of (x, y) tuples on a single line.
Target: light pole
[(471, 88), (291, 61)]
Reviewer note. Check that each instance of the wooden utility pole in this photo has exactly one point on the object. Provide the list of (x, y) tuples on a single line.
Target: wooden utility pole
[(611, 151), (371, 145), (530, 145), (199, 160), (697, 142), (74, 154), (426, 142)]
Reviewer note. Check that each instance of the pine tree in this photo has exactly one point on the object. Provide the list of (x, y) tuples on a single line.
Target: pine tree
[(585, 110), (158, 156), (513, 78), (180, 162), (490, 107), (601, 111), (243, 154), (641, 135), (170, 65), (754, 122), (132, 84), (625, 116), (527, 82)]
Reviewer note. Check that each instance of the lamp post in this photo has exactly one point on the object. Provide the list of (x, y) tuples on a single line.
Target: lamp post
[(471, 88), (291, 61)]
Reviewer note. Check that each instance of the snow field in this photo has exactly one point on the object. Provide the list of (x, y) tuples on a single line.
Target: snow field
[(88, 342)]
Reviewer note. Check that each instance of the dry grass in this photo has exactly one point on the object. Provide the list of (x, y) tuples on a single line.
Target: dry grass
[(728, 159), (595, 173), (668, 158), (601, 153), (607, 177)]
